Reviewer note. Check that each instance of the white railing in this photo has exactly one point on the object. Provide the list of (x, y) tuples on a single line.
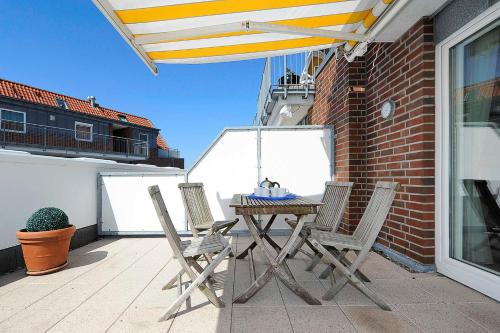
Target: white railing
[(284, 74), (20, 135)]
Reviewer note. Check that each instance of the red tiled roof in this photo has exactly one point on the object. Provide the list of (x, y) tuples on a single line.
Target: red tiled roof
[(40, 96)]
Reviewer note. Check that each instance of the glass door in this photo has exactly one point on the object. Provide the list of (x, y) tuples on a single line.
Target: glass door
[(474, 150)]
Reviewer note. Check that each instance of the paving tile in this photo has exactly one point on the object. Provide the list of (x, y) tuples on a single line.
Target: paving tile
[(298, 269), (404, 291), (377, 267), (117, 283), (485, 314), (349, 295), (141, 320), (118, 294), (6, 313), (260, 319), (438, 318), (29, 321), (449, 291), (319, 319), (205, 319), (11, 281), (269, 295), (315, 288), (373, 319), (26, 294)]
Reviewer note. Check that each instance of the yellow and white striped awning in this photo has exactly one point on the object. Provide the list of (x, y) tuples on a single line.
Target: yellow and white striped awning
[(202, 31)]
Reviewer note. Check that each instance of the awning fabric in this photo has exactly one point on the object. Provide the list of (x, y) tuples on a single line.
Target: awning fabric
[(201, 31)]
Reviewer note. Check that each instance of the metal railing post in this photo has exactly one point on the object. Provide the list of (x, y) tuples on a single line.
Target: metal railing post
[(44, 138)]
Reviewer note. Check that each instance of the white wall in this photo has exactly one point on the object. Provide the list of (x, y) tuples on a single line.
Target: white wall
[(29, 182), (299, 158), (127, 207)]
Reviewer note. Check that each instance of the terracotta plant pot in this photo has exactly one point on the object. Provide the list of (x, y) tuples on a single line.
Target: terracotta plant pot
[(45, 251)]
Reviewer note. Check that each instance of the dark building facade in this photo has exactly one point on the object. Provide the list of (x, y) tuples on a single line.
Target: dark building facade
[(48, 123)]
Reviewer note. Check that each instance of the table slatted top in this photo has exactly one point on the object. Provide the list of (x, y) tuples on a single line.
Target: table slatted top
[(242, 200)]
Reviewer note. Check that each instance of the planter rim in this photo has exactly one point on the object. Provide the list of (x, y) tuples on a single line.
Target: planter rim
[(39, 235)]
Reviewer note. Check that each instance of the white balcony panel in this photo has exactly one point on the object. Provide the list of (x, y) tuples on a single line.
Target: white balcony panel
[(300, 158), (229, 166), (127, 207)]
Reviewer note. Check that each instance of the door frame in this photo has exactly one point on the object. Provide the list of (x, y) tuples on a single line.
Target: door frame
[(478, 279)]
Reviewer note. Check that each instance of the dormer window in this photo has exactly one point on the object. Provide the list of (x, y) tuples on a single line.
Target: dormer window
[(61, 103), (122, 118)]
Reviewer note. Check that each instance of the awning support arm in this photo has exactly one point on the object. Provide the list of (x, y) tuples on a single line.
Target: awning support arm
[(108, 12), (246, 26)]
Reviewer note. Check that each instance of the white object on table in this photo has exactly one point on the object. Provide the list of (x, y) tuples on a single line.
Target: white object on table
[(261, 191)]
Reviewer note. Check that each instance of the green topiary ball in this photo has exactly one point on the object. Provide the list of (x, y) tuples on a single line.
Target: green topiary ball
[(47, 219)]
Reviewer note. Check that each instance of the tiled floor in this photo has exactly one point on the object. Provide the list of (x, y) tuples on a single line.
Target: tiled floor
[(115, 285)]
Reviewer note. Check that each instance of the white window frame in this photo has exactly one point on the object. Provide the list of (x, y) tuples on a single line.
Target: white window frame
[(147, 137), (476, 278), (15, 111), (78, 123)]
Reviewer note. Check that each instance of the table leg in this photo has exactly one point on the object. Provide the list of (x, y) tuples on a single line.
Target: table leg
[(262, 234), (278, 266)]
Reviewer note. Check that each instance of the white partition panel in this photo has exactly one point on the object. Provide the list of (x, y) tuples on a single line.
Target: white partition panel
[(229, 166), (30, 182), (299, 159), (127, 207)]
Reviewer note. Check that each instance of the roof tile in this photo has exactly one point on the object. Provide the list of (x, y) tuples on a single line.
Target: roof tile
[(41, 96)]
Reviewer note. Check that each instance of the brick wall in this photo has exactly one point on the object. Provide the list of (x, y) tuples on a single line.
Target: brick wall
[(349, 96)]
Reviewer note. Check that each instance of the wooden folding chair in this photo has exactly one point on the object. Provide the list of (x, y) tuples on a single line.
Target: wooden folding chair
[(198, 211), (329, 215), (186, 253), (333, 246)]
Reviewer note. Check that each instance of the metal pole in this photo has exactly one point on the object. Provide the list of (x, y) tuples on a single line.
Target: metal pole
[(284, 70), (44, 138)]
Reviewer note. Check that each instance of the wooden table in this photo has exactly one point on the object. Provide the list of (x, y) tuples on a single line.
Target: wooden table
[(247, 207)]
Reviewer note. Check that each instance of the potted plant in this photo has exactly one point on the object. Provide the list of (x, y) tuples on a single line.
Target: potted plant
[(45, 241)]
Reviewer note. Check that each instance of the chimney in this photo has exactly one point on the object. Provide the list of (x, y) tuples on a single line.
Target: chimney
[(92, 102)]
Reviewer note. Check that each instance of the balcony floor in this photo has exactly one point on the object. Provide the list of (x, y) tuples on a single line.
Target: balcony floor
[(115, 285)]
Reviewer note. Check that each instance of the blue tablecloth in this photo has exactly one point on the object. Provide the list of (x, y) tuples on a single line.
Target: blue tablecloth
[(286, 197)]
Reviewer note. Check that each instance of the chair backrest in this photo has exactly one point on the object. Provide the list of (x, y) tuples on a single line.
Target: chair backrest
[(334, 201), (375, 213), (166, 222), (196, 205)]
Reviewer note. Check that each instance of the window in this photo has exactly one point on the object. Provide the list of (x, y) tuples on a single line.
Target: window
[(83, 131), (143, 137), (61, 103), (467, 158), (123, 118), (475, 157), (143, 144), (52, 117), (13, 121)]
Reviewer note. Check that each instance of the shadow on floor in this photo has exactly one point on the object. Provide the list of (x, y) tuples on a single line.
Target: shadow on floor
[(87, 259)]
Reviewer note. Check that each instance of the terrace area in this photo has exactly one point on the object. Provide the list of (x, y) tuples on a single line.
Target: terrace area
[(114, 285)]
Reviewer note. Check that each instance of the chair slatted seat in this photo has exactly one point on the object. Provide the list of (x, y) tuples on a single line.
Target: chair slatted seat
[(186, 253), (334, 247), (329, 216), (198, 211)]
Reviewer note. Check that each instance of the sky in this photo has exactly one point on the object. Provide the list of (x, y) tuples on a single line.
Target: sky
[(69, 47)]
